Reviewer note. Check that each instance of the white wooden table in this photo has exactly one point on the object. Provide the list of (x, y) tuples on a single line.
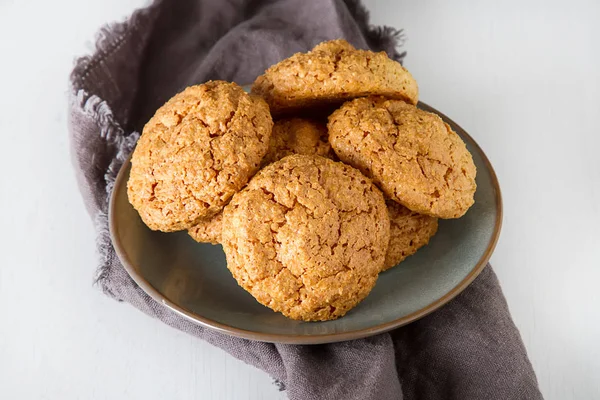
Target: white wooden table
[(523, 77)]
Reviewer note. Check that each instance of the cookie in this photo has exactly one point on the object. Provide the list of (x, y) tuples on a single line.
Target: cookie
[(307, 237), (331, 73), (409, 231), (199, 148), (412, 155), (208, 230)]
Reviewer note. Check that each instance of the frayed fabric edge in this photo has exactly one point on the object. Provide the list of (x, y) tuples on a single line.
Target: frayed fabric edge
[(124, 146), (104, 246), (379, 38), (108, 38), (100, 112), (279, 384), (121, 146)]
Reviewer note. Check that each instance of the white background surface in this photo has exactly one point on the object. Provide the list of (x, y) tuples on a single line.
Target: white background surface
[(522, 77)]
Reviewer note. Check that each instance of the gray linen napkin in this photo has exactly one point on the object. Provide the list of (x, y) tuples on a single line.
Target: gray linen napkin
[(470, 349)]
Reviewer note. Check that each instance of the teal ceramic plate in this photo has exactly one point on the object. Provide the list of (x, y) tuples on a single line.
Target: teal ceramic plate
[(192, 279)]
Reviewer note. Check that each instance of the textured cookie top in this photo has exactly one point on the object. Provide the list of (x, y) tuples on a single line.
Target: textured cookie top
[(411, 154), (198, 149), (331, 73), (298, 136), (307, 237), (409, 231), (208, 230)]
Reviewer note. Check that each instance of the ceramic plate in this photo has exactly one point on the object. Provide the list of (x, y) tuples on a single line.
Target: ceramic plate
[(192, 279)]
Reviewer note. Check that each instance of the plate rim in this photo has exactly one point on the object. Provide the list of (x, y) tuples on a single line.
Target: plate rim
[(318, 338)]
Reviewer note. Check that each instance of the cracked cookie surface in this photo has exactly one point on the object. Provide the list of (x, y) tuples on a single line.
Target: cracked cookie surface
[(409, 231), (307, 237), (289, 136), (331, 73), (208, 230), (412, 155), (199, 148)]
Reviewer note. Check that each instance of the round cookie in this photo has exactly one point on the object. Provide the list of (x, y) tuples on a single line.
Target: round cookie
[(298, 136), (409, 231), (199, 148), (412, 155), (290, 136), (307, 237), (331, 73)]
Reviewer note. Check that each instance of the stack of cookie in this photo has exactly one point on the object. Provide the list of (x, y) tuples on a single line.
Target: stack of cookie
[(308, 211)]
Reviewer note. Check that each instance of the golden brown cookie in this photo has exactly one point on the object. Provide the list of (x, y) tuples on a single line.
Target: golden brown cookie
[(411, 154), (199, 148), (331, 73), (290, 136), (307, 237), (208, 230), (298, 136), (409, 231)]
